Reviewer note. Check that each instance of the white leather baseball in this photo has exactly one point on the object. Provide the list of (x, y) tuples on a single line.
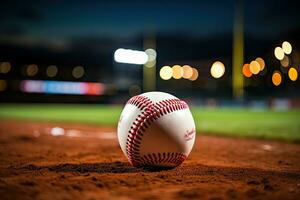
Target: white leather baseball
[(156, 129)]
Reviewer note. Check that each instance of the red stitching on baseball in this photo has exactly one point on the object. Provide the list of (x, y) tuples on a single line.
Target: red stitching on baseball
[(163, 158), (150, 113), (140, 101)]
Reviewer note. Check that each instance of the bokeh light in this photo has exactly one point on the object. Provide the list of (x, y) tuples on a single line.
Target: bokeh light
[(32, 70), (177, 71), (3, 85), (62, 87), (5, 67), (276, 78), (254, 67), (261, 62), (187, 71), (285, 61), (246, 70), (150, 64), (279, 53), (166, 73), (52, 71), (195, 75), (293, 74), (151, 58), (130, 56), (287, 47), (217, 69), (151, 54), (78, 72)]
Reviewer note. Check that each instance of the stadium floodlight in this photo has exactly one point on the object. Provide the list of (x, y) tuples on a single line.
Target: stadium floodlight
[(217, 69), (287, 47), (130, 56)]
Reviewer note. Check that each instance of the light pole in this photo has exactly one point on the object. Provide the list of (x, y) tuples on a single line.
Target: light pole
[(238, 51), (149, 69)]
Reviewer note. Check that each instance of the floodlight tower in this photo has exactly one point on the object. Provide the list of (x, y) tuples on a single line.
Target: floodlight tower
[(149, 69), (238, 51)]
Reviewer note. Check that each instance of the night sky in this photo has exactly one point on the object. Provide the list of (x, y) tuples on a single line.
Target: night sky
[(37, 22)]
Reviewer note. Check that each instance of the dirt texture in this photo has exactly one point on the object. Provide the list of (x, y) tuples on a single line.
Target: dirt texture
[(73, 161)]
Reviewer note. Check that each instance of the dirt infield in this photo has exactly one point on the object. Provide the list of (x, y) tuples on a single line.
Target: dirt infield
[(85, 162)]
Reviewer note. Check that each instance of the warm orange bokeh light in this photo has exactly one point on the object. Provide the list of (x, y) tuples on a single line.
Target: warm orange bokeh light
[(246, 70), (276, 78), (293, 74), (187, 71), (195, 75), (177, 71), (254, 67), (261, 63)]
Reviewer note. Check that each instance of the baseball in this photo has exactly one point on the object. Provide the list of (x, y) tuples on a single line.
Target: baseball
[(156, 129)]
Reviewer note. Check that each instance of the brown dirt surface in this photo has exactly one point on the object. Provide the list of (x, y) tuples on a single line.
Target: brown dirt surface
[(86, 162)]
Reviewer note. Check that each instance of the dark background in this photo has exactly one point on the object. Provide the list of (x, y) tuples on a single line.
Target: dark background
[(86, 33)]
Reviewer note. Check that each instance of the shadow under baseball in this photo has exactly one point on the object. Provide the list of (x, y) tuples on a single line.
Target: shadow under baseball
[(195, 170), (114, 167)]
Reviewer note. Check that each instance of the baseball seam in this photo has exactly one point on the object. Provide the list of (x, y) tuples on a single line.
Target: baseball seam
[(169, 157), (150, 113)]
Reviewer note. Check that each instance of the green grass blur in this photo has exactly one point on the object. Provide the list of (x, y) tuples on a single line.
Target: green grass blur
[(265, 124)]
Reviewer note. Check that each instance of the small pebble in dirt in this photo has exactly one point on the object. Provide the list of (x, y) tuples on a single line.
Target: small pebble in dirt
[(87, 174), (99, 184), (94, 178), (267, 147), (62, 177)]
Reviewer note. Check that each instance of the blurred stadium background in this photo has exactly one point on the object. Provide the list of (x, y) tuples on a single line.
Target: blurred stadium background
[(234, 61)]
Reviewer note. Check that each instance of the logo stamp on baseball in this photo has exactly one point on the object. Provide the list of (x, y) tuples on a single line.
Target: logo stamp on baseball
[(156, 129)]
